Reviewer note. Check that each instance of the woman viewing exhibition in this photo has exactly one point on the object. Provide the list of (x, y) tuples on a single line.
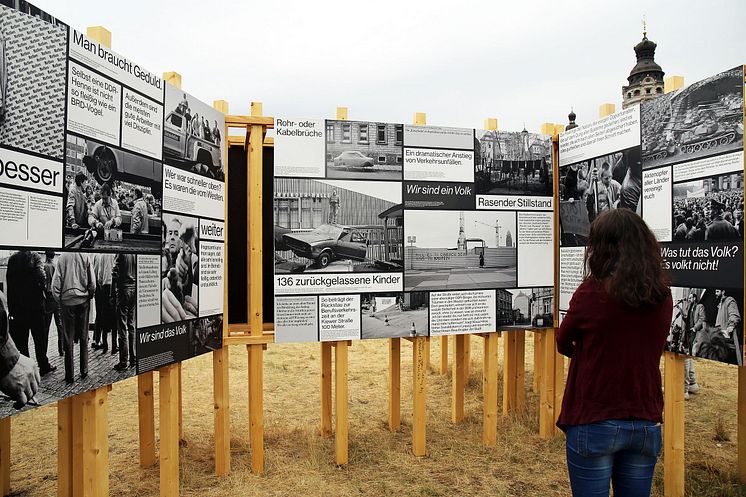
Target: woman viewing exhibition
[(614, 331)]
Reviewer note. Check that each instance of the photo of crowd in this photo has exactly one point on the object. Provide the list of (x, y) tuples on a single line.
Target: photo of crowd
[(179, 268), (707, 323), (112, 199), (206, 335), (587, 188), (709, 209), (78, 309)]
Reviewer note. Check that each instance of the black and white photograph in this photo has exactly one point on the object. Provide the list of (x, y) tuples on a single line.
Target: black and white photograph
[(394, 315), (206, 335), (32, 82), (709, 209), (32, 10), (193, 135), (180, 268), (707, 323), (449, 250), (587, 188), (525, 307), (112, 198), (518, 163), (73, 316), (705, 118), (364, 150), (337, 226)]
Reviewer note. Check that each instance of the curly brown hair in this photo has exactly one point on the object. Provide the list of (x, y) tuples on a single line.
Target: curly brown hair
[(623, 254)]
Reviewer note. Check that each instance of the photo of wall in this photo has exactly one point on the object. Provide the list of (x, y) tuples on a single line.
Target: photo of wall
[(364, 150)]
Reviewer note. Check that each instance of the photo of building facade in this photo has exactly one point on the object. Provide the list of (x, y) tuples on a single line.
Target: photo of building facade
[(364, 150)]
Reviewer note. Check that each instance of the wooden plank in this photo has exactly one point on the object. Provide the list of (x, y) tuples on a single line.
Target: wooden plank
[(255, 223), (146, 419), (444, 355), (249, 339), (325, 429), (520, 371), (99, 34), (547, 395), (538, 363), (77, 445), (458, 381), (340, 404), (100, 477), (181, 410), (256, 407), (4, 456), (419, 393), (741, 464), (169, 431), (489, 390), (509, 372), (252, 120), (65, 447), (467, 356), (673, 425), (220, 371), (394, 384), (222, 412)]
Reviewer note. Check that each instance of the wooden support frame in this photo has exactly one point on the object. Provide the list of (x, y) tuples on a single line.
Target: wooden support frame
[(394, 381), (4, 457), (146, 410), (538, 363), (444, 355), (514, 390), (458, 382), (741, 462), (673, 425)]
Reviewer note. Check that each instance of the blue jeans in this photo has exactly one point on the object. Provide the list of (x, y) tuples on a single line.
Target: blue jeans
[(622, 452)]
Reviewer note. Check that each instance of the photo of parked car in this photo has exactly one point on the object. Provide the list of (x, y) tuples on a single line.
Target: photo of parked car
[(327, 243), (353, 159)]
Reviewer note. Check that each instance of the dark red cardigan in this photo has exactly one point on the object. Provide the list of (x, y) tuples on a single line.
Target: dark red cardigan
[(615, 353)]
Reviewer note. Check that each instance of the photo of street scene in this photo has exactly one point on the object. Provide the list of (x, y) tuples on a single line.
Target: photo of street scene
[(709, 209), (525, 308), (112, 198), (364, 150), (337, 226), (518, 163), (192, 136), (448, 250), (705, 118), (707, 323), (394, 315), (72, 316), (587, 188)]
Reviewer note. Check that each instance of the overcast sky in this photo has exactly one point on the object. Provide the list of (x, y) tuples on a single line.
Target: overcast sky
[(460, 62)]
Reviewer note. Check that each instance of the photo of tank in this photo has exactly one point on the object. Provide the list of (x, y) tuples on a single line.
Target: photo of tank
[(703, 119)]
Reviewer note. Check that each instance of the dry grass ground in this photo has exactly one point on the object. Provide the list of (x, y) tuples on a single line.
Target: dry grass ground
[(299, 463)]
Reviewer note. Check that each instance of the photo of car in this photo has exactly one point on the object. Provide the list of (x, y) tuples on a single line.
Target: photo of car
[(107, 164), (327, 243), (353, 159)]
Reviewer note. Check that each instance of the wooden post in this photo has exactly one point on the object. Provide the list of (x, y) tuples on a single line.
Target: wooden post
[(444, 355), (467, 358), (256, 318), (419, 391), (65, 447), (673, 425), (394, 383), (459, 379), (340, 403), (509, 372), (4, 457), (489, 387), (520, 371), (85, 424), (221, 391), (538, 362), (169, 430), (742, 425), (326, 389), (606, 110), (547, 406), (419, 371), (145, 411)]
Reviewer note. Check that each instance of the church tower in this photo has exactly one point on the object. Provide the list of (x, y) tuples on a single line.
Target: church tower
[(646, 78)]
